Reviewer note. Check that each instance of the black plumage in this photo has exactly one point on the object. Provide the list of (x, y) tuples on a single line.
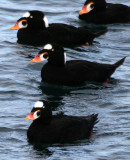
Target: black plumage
[(60, 128), (73, 72), (37, 31), (100, 12)]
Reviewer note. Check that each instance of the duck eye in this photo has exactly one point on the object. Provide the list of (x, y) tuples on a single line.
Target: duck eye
[(45, 55), (24, 23), (38, 113), (92, 6)]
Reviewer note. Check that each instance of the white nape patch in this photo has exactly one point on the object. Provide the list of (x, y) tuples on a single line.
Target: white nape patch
[(27, 14), (64, 58), (48, 46), (46, 21), (39, 104)]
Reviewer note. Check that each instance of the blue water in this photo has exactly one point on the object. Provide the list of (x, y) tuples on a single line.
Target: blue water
[(20, 87)]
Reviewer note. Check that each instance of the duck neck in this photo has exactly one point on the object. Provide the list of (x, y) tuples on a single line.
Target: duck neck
[(101, 6), (59, 60), (36, 24), (45, 118)]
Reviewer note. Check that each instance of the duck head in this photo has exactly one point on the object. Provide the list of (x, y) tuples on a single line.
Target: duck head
[(32, 19), (93, 5), (54, 53), (40, 112)]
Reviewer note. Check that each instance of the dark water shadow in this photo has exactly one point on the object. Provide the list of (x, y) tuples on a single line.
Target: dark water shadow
[(43, 150), (62, 90), (56, 93)]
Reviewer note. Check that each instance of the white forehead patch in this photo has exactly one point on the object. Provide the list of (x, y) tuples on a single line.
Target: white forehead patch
[(48, 46), (27, 14), (46, 21), (39, 104)]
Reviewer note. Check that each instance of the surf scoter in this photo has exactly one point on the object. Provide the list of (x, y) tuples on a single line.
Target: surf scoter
[(34, 29), (48, 128), (100, 12), (72, 72)]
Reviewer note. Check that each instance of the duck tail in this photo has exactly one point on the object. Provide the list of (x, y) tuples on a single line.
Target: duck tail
[(101, 32), (94, 119), (120, 62)]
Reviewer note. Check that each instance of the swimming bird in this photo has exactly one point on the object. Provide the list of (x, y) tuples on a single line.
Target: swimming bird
[(101, 12), (59, 71), (60, 128), (34, 29)]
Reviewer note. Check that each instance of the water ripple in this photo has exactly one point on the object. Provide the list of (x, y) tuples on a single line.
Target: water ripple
[(21, 86)]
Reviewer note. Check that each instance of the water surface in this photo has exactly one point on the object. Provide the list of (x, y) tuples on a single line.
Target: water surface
[(21, 86)]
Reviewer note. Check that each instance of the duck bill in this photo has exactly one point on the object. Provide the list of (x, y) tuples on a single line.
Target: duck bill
[(30, 116), (37, 58), (16, 26), (84, 10)]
